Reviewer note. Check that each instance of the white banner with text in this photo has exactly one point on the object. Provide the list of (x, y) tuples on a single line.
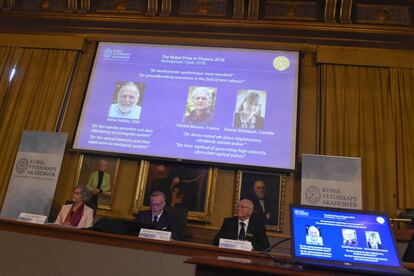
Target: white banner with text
[(35, 173), (331, 181)]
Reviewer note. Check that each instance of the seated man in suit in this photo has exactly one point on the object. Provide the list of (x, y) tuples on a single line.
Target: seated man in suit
[(157, 218), (244, 226)]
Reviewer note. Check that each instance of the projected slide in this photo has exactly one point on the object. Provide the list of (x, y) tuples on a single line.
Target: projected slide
[(221, 105)]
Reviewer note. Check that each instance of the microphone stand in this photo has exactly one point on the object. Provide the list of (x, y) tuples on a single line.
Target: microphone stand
[(265, 253), (275, 244)]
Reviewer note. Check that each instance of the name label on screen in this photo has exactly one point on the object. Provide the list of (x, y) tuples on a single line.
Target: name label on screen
[(236, 244), (32, 218), (155, 234)]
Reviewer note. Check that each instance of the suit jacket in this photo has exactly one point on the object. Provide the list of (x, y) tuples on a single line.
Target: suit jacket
[(166, 222), (268, 209), (86, 220), (93, 181), (256, 232)]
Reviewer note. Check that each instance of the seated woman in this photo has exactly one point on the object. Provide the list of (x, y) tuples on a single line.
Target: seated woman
[(76, 214)]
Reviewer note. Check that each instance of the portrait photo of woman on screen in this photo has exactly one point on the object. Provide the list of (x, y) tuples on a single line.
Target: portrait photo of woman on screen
[(373, 240), (250, 108)]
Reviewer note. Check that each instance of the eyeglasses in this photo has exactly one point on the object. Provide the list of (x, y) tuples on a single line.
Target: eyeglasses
[(76, 193), (200, 98)]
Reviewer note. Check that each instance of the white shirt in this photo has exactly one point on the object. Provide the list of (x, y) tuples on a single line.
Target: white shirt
[(158, 216)]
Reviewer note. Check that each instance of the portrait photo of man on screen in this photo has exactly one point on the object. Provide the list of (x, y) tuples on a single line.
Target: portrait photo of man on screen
[(250, 109), (349, 237), (127, 101), (313, 235), (200, 106)]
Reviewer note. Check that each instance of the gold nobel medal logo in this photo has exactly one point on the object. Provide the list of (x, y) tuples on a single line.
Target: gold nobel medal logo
[(281, 63)]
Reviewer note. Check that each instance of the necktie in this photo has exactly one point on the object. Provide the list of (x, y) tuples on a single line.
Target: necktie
[(242, 233), (155, 220)]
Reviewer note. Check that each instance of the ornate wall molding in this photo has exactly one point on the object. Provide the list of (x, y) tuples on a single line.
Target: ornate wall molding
[(293, 10), (383, 14), (204, 8), (307, 22), (330, 11), (238, 10)]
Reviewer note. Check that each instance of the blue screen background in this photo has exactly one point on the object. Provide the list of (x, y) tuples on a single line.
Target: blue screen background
[(331, 223)]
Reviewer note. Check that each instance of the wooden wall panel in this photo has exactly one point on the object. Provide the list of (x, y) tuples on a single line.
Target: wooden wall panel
[(383, 14), (67, 42), (215, 8), (365, 57), (292, 10), (123, 6)]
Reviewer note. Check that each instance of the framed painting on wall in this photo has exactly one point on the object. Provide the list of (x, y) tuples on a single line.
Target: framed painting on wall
[(266, 191), (186, 186), (98, 173)]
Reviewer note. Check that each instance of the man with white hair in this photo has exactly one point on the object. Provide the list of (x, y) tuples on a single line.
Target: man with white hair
[(201, 99), (244, 226), (157, 217), (350, 237), (127, 102)]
